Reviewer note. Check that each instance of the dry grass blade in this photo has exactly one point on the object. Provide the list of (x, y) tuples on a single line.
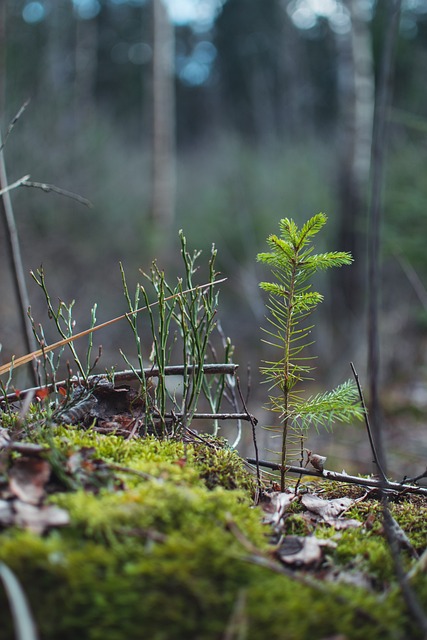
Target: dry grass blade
[(17, 362), (24, 626)]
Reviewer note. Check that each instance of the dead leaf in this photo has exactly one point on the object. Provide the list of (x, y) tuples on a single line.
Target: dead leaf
[(38, 519), (27, 479), (303, 551), (275, 504), (330, 511)]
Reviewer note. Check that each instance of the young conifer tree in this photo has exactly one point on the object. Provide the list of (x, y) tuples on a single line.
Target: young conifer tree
[(291, 302)]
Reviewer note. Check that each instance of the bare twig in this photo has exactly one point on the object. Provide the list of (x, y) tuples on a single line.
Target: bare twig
[(253, 422), (63, 192), (368, 426), (13, 122), (14, 185), (415, 478), (16, 259), (395, 487), (215, 416), (125, 376)]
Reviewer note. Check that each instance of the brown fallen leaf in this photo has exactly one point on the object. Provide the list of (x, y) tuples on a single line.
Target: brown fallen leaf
[(27, 479)]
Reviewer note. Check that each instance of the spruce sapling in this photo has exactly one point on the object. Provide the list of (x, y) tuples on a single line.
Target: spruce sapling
[(291, 302)]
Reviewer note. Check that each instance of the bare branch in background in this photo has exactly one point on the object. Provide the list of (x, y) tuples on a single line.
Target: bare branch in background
[(51, 187)]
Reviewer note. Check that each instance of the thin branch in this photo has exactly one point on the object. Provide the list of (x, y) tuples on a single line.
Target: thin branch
[(16, 260), (63, 192), (368, 426), (13, 122), (14, 185), (215, 416), (396, 487), (126, 376), (253, 422)]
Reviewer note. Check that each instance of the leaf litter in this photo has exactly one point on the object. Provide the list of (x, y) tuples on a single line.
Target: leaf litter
[(29, 474), (305, 551)]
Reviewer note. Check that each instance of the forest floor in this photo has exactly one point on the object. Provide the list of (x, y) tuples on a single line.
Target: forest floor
[(112, 533)]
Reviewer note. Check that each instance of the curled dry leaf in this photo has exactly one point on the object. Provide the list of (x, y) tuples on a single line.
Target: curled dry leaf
[(27, 479), (274, 505), (317, 461)]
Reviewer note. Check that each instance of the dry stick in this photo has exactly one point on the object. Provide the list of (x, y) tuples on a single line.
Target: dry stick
[(125, 376), (214, 416), (16, 260), (368, 426), (253, 422), (63, 192), (14, 364), (326, 474), (13, 122), (14, 185)]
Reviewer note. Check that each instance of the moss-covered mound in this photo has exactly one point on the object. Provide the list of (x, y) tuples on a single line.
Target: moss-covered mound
[(166, 545)]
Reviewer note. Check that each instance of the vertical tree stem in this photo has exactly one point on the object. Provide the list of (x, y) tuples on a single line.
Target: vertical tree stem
[(375, 218)]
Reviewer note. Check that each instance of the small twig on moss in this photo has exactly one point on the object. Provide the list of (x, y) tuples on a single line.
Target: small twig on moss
[(253, 422), (394, 487)]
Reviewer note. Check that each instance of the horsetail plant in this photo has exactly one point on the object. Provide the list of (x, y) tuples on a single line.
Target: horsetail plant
[(291, 302), (184, 320)]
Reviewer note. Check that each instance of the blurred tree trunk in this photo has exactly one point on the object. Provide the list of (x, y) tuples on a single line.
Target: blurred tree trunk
[(6, 211), (2, 62), (356, 95), (162, 211)]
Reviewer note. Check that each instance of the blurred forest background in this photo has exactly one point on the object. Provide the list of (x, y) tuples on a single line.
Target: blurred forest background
[(220, 117)]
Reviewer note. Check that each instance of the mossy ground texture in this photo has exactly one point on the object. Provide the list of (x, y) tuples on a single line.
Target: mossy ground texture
[(167, 552)]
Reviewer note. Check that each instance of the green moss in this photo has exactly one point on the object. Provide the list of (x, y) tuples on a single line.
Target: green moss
[(168, 556)]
